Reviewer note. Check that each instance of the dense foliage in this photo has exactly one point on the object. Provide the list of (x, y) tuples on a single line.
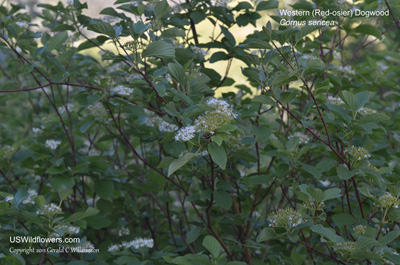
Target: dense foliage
[(131, 152)]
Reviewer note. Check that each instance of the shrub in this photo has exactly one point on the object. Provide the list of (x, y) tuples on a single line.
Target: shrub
[(143, 154)]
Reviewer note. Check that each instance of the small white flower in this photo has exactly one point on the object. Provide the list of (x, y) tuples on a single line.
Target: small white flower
[(109, 19), (135, 3), (52, 144), (22, 24), (68, 107), (9, 198), (70, 2), (31, 197)]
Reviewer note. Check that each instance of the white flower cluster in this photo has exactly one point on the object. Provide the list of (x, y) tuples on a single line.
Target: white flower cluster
[(388, 201), (303, 139), (392, 164), (185, 133), (138, 243), (210, 121), (36, 130), (308, 56), (52, 144), (135, 3), (122, 90), (98, 111), (365, 111), (9, 198), (163, 126), (31, 197), (346, 70), (358, 153), (86, 245), (222, 3), (22, 24), (334, 100), (68, 107), (199, 50), (123, 231), (285, 218), (109, 19), (49, 209), (67, 229)]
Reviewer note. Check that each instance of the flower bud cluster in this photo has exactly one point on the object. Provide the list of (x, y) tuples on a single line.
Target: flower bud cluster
[(98, 111), (358, 153), (388, 201), (365, 111), (360, 229), (221, 114), (199, 51), (49, 210), (285, 218), (52, 144), (345, 249), (303, 138)]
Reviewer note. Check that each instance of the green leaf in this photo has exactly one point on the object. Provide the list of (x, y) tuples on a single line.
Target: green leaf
[(81, 215), (266, 234), (212, 245), (178, 163), (394, 215), (369, 30), (40, 200), (193, 234), (63, 194), (265, 99), (223, 199), (315, 66), (228, 35), (264, 5), (374, 117), (104, 188), (350, 100), (328, 233), (159, 49), (161, 9), (84, 127), (103, 28), (332, 194), (363, 254), (19, 196), (177, 73), (344, 173), (57, 41), (342, 219), (218, 155)]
